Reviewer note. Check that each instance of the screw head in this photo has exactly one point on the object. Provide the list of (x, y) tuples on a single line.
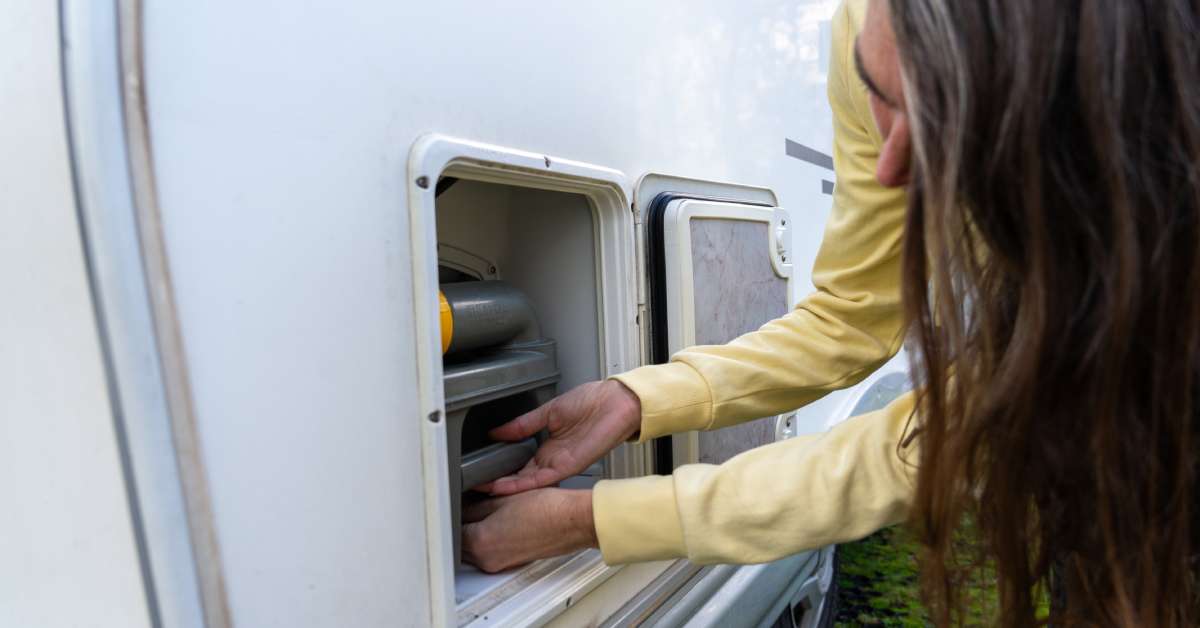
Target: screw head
[(423, 182), (435, 416)]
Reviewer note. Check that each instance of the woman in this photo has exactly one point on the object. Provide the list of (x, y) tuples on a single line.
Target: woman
[(1052, 247), (1051, 265)]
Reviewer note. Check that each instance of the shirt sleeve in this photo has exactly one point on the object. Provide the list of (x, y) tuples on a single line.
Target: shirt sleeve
[(845, 329), (769, 502)]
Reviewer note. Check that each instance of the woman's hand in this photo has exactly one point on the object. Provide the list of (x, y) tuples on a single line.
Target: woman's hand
[(584, 424), (506, 532)]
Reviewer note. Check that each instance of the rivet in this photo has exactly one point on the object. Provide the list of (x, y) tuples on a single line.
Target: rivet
[(423, 183), (435, 416)]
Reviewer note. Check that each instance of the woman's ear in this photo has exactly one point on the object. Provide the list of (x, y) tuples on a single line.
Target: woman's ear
[(895, 157)]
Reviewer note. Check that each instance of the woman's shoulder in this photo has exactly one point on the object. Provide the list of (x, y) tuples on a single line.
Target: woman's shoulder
[(852, 14)]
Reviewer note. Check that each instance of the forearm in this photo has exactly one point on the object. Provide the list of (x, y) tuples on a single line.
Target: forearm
[(790, 362), (767, 503)]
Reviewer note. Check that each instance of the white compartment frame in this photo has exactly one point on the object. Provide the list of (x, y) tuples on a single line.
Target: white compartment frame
[(681, 311), (551, 585)]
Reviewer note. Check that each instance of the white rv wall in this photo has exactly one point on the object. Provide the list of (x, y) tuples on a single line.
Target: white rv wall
[(281, 132), (67, 549)]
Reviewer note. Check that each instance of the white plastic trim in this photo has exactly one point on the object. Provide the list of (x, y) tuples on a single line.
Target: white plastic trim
[(102, 81), (680, 279), (433, 156)]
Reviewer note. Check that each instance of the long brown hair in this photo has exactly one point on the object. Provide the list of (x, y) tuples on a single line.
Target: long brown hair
[(1052, 261)]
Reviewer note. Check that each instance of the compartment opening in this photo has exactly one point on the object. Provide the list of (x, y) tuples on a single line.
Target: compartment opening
[(506, 254)]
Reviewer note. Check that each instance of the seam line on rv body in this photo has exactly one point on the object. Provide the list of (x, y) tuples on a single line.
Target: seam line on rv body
[(180, 402), (103, 197), (100, 321)]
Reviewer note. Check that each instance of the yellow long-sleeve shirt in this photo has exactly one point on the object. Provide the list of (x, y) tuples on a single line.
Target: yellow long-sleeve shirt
[(805, 492)]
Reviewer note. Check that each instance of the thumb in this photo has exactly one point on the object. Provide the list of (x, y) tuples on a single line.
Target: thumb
[(523, 426)]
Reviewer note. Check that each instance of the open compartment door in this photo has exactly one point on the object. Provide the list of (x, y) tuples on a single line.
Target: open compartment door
[(718, 269), (718, 264)]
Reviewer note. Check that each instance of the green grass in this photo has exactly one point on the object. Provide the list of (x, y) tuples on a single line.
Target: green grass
[(879, 584), (878, 581)]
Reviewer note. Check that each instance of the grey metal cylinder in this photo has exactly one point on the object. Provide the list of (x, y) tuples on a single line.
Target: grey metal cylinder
[(488, 314)]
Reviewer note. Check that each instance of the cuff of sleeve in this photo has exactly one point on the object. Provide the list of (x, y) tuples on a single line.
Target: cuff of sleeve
[(674, 396), (636, 520)]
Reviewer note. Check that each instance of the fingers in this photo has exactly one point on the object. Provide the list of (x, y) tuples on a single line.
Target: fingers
[(550, 466), (513, 484), (523, 426), (518, 530)]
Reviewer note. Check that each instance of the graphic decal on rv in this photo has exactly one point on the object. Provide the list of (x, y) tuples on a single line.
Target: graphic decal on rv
[(814, 157)]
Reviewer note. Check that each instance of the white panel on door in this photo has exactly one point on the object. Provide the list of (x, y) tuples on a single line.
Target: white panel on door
[(727, 273)]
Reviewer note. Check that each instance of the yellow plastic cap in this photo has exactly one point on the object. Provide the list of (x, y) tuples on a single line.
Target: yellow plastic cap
[(447, 317)]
